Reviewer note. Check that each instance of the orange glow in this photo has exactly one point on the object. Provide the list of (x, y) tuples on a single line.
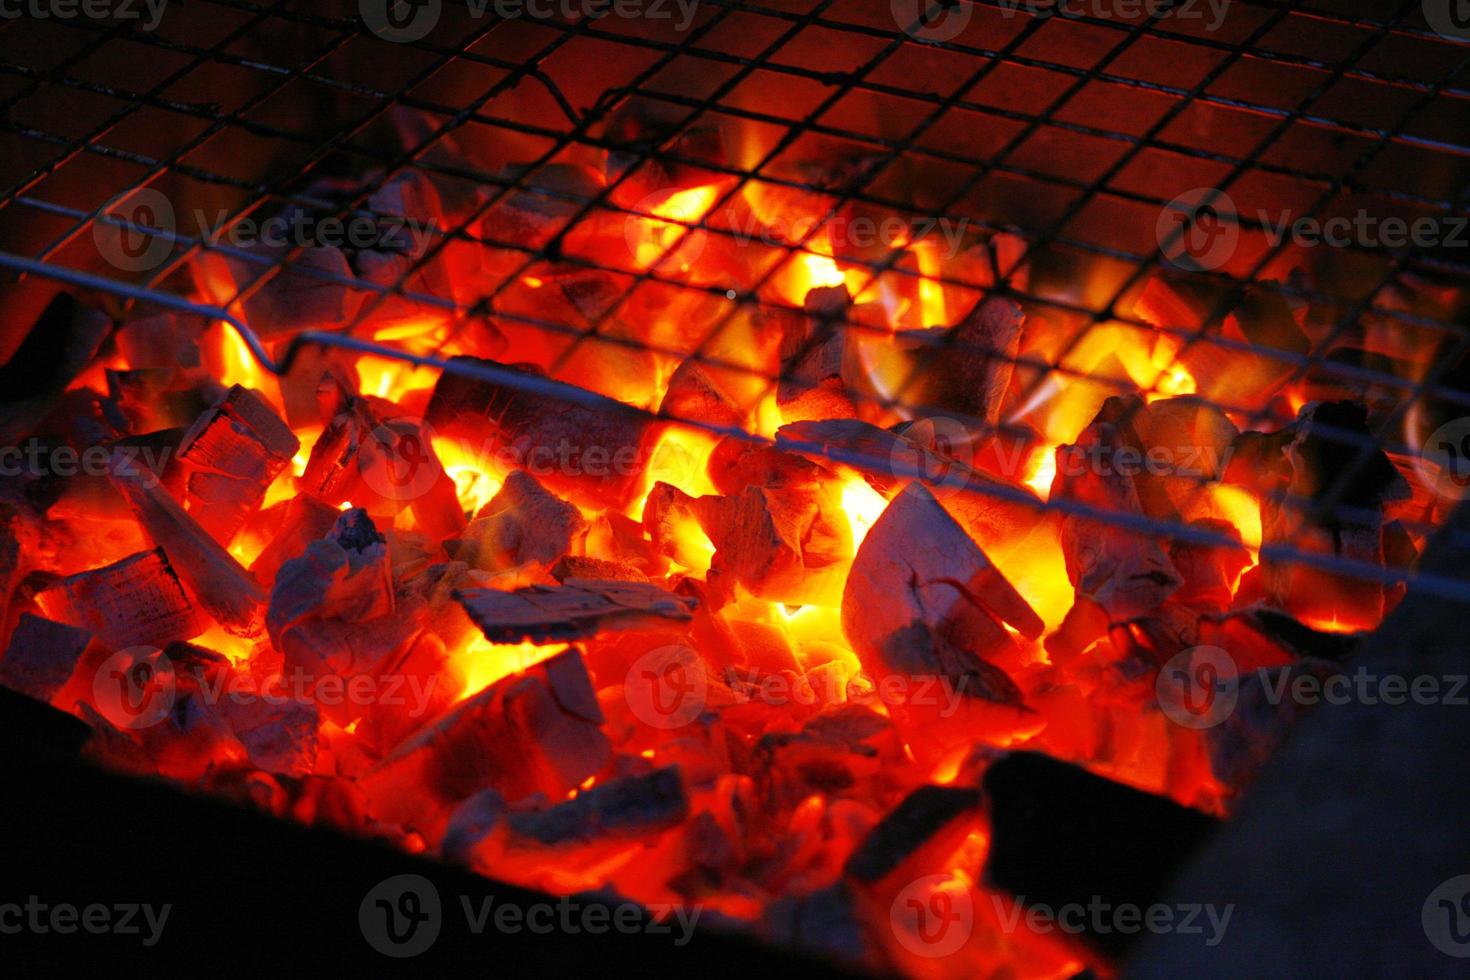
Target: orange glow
[(475, 481), (681, 208), (1042, 471), (863, 506), (931, 291), (482, 663), (776, 610), (805, 271), (237, 366), (1241, 508)]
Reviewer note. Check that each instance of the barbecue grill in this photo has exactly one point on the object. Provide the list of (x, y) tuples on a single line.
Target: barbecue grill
[(1093, 158)]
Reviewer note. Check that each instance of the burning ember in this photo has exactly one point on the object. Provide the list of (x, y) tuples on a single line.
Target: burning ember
[(726, 557)]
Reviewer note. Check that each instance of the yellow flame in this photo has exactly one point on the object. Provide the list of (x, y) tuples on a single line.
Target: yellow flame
[(482, 663), (1042, 470), (931, 292), (1241, 508), (687, 207), (863, 506), (476, 480), (239, 367)]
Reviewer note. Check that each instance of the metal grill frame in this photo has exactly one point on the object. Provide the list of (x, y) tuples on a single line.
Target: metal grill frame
[(581, 128)]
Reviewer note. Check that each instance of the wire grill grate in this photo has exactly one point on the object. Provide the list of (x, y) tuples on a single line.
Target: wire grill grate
[(1068, 133)]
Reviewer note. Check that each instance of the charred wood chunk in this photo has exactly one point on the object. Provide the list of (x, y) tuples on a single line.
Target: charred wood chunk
[(918, 568), (695, 396), (820, 362), (135, 602), (278, 733), (1233, 361), (312, 290), (630, 808), (967, 369), (1260, 636), (783, 544), (930, 819), (41, 656), (737, 463), (158, 398), (576, 609), (997, 513), (212, 575), (60, 344), (1208, 572), (671, 519), (384, 465), (303, 519), (842, 752), (536, 731), (1126, 573), (347, 576), (522, 523), (1324, 482), (595, 569), (592, 451), (1063, 836), (167, 340), (231, 455)]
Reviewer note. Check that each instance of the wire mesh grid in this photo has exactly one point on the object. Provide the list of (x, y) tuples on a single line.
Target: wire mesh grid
[(1069, 134)]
